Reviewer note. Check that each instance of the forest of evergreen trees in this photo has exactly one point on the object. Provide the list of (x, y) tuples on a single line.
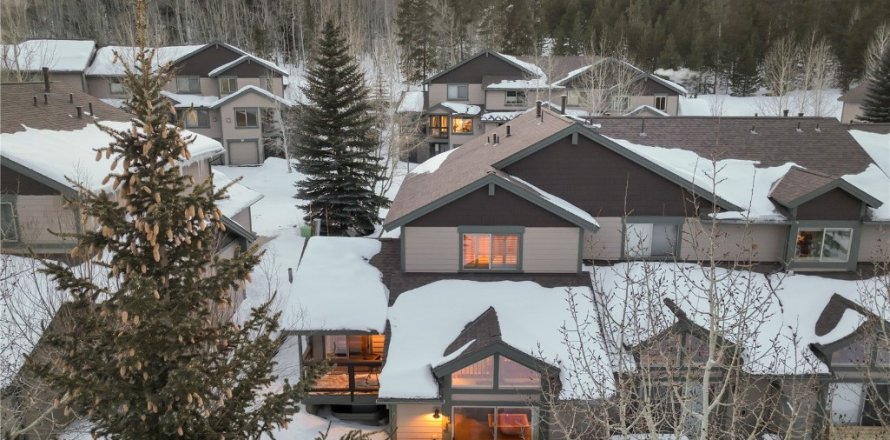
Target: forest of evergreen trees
[(727, 37)]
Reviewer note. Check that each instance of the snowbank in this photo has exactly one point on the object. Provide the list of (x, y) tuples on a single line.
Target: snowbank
[(725, 105), (424, 321), (277, 211), (336, 288)]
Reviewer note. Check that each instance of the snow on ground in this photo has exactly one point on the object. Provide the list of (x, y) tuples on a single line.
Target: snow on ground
[(776, 329), (270, 277), (725, 105), (876, 145), (336, 288), (412, 102), (424, 321), (277, 210)]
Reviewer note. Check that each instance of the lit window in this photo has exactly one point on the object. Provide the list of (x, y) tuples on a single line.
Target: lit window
[(188, 84), (495, 423), (491, 251), (515, 98), (478, 375), (823, 244), (461, 125), (661, 102), (439, 126), (459, 92), (8, 229), (195, 118), (643, 240), (228, 85), (514, 375), (117, 87), (246, 118)]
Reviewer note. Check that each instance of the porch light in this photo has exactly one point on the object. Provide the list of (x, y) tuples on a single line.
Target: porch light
[(437, 414)]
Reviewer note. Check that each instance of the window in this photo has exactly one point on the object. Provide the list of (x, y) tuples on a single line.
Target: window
[(643, 240), (458, 92), (461, 125), (515, 98), (246, 118), (661, 102), (858, 403), (362, 347), (439, 126), (195, 118), (8, 228), (823, 245), (494, 423), (117, 87), (512, 374), (490, 251), (228, 85), (478, 375), (188, 84)]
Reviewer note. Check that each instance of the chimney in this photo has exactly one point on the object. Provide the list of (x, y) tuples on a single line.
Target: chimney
[(785, 112), (676, 310), (90, 104), (35, 101), (79, 111), (508, 131), (562, 104), (46, 79), (755, 114), (496, 140), (538, 109), (800, 115)]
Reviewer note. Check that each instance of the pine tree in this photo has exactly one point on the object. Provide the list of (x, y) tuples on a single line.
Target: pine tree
[(876, 107), (745, 78), (151, 353), (338, 143), (519, 36), (417, 39)]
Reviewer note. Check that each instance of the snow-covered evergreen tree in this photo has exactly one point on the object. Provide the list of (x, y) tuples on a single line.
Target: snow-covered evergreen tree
[(152, 354), (876, 107), (338, 142), (745, 78)]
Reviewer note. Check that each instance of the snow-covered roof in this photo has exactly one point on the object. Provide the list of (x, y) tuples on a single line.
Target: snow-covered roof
[(58, 55), (558, 202), (73, 152), (501, 116), (646, 108), (336, 288), (522, 84), (115, 102), (462, 109), (774, 328), (412, 102), (876, 145), (250, 89), (106, 64), (526, 66), (182, 100), (246, 57), (432, 164), (240, 196), (425, 321)]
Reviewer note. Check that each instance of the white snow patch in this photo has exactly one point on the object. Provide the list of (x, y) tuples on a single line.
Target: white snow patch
[(336, 288), (501, 116), (239, 198), (58, 55), (522, 84), (424, 321), (412, 102), (183, 100), (876, 145), (254, 89), (432, 164), (725, 105), (876, 183), (277, 211), (563, 204), (462, 109), (527, 66), (269, 279)]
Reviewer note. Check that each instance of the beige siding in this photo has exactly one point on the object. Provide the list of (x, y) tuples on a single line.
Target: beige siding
[(431, 249), (73, 80), (460, 139), (671, 105), (549, 250), (215, 129), (875, 243), (850, 112), (438, 93), (416, 422), (734, 242), (243, 219), (100, 87), (38, 214), (605, 244)]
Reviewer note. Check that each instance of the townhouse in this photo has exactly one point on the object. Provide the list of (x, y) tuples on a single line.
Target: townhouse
[(220, 91), (490, 88), (456, 329)]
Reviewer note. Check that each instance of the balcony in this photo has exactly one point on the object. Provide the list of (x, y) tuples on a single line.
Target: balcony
[(349, 378)]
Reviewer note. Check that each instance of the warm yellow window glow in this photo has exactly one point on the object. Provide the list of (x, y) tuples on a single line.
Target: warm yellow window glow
[(478, 375), (462, 125), (491, 251), (439, 126)]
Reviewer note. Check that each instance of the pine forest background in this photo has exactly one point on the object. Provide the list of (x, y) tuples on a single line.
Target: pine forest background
[(716, 36)]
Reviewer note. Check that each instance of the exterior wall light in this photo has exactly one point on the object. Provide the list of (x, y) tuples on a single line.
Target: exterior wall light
[(437, 414)]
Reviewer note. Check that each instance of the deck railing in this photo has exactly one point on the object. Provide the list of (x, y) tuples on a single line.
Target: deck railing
[(362, 376)]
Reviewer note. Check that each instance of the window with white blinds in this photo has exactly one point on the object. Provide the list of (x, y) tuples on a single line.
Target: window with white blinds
[(490, 251)]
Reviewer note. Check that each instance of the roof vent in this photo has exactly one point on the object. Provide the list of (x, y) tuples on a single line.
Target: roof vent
[(818, 130), (798, 128), (642, 127), (753, 130), (79, 111), (563, 100), (71, 98), (538, 109), (46, 79), (800, 115), (785, 112), (508, 131), (90, 104)]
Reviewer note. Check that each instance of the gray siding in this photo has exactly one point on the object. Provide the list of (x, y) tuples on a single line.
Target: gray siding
[(875, 243), (550, 250), (734, 242), (431, 249)]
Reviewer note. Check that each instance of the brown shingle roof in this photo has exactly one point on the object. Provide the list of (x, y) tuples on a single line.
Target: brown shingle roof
[(822, 144), (482, 331), (17, 100), (797, 183), (473, 160)]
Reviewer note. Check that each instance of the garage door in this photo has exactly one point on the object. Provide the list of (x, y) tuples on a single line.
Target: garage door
[(243, 153)]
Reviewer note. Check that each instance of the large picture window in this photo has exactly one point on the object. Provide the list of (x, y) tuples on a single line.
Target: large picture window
[(228, 84), (458, 92), (461, 125), (478, 375), (490, 251), (188, 84), (643, 240), (828, 245), (117, 86), (515, 98), (509, 375), (494, 423), (8, 227), (439, 126), (195, 118), (246, 118)]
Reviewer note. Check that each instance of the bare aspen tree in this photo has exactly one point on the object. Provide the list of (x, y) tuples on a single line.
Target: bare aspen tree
[(610, 81), (779, 68), (879, 44), (817, 72)]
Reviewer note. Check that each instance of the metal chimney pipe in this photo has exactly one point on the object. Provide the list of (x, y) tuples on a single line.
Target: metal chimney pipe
[(785, 112), (800, 115), (71, 98), (564, 100), (79, 111), (90, 104), (45, 99), (35, 101), (538, 109), (46, 79), (508, 131)]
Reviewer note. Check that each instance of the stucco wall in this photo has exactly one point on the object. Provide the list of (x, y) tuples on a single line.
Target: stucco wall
[(416, 422), (550, 250)]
